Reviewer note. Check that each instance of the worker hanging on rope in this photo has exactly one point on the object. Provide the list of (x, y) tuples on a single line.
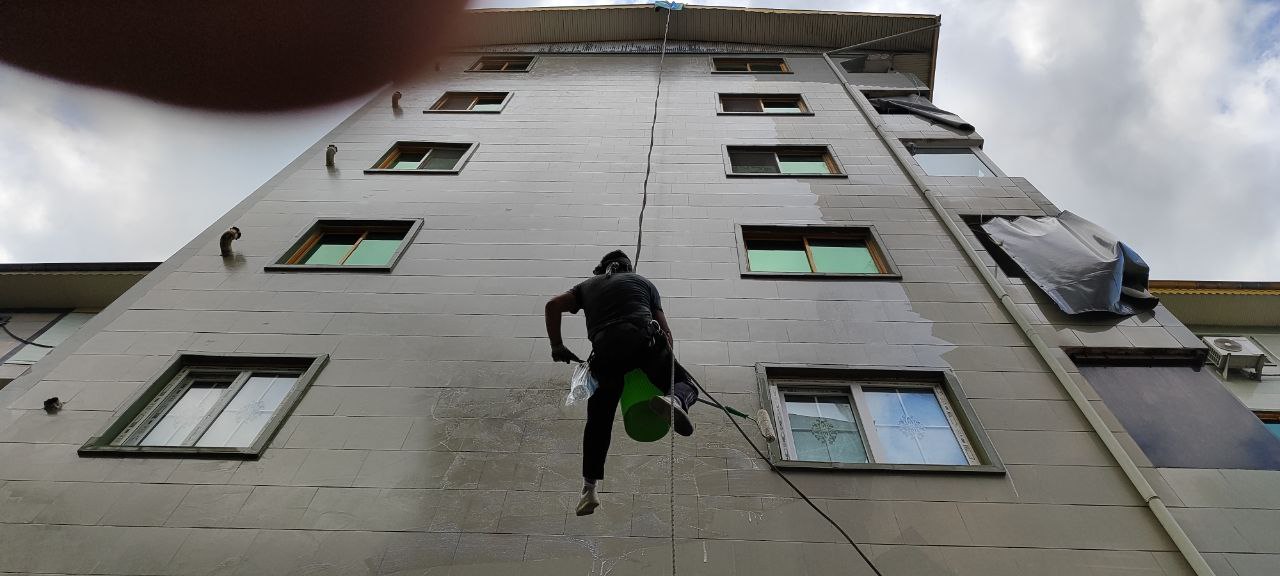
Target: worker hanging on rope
[(628, 330)]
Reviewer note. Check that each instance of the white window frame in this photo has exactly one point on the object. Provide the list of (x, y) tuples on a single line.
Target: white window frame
[(854, 390)]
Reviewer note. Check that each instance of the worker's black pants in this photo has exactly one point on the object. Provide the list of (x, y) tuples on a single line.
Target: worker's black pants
[(617, 350)]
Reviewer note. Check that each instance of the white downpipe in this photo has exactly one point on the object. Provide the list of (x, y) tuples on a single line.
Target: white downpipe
[(1130, 468)]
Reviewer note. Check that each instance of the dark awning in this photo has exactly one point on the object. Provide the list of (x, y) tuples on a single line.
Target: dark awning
[(1081, 266), (921, 106)]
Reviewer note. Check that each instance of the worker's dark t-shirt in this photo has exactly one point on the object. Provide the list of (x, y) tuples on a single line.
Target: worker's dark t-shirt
[(606, 300)]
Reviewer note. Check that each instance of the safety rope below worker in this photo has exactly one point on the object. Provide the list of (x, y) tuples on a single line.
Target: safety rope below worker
[(644, 202)]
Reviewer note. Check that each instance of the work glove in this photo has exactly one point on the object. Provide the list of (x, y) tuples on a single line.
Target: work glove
[(561, 353)]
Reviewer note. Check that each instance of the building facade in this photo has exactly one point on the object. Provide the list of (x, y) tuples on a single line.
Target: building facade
[(365, 386), (41, 305)]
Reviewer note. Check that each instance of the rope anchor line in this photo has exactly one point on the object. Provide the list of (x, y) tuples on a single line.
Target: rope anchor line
[(644, 202)]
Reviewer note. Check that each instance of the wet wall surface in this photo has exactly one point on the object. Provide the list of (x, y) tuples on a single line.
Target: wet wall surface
[(436, 441)]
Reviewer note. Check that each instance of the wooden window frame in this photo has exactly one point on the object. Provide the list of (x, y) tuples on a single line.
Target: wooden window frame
[(476, 96), (382, 166), (290, 260), (506, 60), (802, 106), (146, 407), (864, 233), (782, 62), (776, 380), (1268, 416), (836, 170)]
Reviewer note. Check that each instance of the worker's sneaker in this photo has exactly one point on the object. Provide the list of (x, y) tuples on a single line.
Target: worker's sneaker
[(662, 405), (588, 503)]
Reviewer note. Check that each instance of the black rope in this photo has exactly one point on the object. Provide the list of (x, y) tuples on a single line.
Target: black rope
[(17, 337), (653, 125), (797, 489)]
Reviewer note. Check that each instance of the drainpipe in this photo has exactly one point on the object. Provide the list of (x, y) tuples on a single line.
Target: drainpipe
[(1130, 468)]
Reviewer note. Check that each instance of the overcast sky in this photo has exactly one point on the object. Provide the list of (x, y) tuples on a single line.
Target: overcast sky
[(1157, 119)]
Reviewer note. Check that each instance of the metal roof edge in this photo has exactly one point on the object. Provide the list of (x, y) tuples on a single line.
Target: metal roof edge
[(708, 7), (73, 267)]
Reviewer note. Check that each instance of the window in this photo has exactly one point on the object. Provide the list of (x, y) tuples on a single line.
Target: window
[(424, 157), (751, 65), (763, 104), (1270, 419), (856, 418), (502, 64), (781, 161), (369, 245), (950, 162), (214, 405), (470, 102), (1002, 259), (814, 251), (47, 329)]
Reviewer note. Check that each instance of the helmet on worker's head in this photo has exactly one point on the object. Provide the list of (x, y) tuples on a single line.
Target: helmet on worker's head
[(619, 260)]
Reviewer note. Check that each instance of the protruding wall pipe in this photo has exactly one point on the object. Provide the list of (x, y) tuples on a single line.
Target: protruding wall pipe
[(1131, 471), (395, 99), (224, 242), (329, 153)]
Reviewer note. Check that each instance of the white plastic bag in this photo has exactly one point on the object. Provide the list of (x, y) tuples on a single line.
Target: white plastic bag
[(581, 385)]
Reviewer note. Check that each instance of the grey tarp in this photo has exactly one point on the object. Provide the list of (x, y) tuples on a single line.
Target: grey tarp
[(1081, 266), (921, 106)]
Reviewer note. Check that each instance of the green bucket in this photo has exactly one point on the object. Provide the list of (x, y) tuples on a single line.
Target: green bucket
[(641, 422)]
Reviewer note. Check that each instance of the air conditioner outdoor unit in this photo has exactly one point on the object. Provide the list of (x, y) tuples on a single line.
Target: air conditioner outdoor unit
[(1227, 352)]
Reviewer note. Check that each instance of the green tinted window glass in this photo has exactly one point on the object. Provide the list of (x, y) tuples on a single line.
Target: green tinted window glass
[(331, 249), (443, 158), (491, 65), (781, 106), (1273, 427), (842, 257), (456, 102), (725, 65), (488, 104), (777, 256), (407, 160), (753, 162), (766, 66), (376, 249), (803, 164), (737, 104)]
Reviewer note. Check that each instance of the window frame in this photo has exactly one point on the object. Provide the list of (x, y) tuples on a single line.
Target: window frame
[(402, 146), (828, 156), (776, 380), (146, 407), (804, 109), (1268, 416), (973, 148), (475, 66), (786, 66), (865, 233), (433, 109), (287, 262)]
